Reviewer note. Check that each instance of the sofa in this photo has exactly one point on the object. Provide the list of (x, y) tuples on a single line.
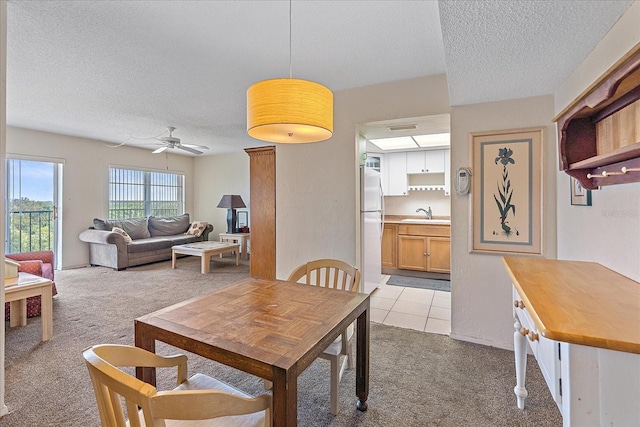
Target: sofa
[(135, 241), (38, 263)]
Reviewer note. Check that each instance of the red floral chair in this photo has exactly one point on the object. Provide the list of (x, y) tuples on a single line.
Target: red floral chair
[(39, 264)]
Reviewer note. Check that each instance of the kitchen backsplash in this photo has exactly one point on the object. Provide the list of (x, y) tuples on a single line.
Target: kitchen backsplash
[(407, 205)]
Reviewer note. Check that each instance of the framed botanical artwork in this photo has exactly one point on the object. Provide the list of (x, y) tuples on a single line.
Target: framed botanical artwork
[(507, 191), (579, 195)]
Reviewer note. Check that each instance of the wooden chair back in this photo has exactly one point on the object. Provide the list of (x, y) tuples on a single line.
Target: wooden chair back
[(146, 406), (328, 273)]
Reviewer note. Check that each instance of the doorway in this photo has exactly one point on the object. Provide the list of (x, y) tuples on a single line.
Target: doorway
[(32, 206), (413, 156)]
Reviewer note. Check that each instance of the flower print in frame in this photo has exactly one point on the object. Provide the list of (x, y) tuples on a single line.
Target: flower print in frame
[(507, 185)]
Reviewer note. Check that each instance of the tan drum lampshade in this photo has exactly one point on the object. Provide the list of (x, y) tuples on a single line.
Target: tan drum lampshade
[(289, 110)]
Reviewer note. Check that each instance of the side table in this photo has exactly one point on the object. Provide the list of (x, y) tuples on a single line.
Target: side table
[(240, 238), (16, 292)]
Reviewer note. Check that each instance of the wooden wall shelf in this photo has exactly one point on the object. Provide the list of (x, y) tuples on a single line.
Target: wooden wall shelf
[(599, 133)]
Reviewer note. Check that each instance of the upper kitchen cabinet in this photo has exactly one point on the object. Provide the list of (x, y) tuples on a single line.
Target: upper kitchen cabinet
[(431, 161), (396, 171)]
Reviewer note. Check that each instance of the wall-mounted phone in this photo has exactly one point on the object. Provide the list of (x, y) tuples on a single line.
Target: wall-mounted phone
[(462, 180)]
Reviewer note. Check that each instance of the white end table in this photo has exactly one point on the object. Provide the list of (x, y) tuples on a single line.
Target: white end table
[(240, 238)]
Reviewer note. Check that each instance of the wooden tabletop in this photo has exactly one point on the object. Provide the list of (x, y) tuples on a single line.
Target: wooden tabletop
[(579, 302), (269, 328)]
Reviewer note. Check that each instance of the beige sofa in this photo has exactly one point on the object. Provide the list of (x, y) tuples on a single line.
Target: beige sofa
[(151, 240)]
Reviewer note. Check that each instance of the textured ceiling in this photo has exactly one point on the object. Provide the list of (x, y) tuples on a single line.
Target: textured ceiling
[(118, 71)]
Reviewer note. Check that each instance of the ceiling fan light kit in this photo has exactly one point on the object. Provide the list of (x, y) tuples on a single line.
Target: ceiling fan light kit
[(173, 142), (289, 110)]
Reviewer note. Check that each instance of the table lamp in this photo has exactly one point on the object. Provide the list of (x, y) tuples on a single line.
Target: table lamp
[(231, 202)]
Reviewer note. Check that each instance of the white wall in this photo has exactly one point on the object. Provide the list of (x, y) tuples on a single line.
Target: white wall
[(316, 195), (608, 232), (215, 176), (481, 302), (85, 175)]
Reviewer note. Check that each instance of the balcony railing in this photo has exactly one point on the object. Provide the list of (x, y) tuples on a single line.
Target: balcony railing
[(29, 231)]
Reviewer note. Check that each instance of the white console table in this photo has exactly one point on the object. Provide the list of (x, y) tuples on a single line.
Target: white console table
[(582, 323)]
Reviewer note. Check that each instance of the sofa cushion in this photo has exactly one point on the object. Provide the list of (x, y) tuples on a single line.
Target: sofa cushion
[(149, 244), (168, 226), (137, 228), (183, 239)]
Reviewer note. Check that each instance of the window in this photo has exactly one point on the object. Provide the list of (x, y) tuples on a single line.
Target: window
[(138, 193)]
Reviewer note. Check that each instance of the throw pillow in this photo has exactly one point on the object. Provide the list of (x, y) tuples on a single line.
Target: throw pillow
[(100, 224), (123, 233), (197, 228), (168, 226)]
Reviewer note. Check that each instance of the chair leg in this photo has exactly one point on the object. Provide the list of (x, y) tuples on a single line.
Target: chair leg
[(350, 361), (335, 384)]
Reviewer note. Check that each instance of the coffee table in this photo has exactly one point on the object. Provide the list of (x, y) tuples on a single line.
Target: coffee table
[(16, 292), (204, 250)]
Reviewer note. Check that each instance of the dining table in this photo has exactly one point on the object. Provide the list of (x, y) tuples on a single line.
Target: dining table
[(272, 329)]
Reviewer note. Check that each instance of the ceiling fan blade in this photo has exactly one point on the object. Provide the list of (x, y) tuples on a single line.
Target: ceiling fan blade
[(202, 147), (191, 150), (160, 150)]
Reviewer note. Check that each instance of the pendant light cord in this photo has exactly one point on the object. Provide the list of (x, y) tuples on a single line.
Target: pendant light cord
[(290, 73)]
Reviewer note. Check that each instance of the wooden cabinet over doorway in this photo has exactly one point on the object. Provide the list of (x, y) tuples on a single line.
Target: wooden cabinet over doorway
[(262, 173)]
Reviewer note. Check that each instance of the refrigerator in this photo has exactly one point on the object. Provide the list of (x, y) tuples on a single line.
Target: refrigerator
[(371, 224)]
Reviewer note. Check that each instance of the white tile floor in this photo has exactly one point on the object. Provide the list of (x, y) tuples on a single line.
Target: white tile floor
[(412, 308)]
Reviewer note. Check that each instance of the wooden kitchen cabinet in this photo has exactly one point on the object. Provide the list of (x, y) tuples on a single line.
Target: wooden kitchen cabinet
[(424, 248), (390, 246)]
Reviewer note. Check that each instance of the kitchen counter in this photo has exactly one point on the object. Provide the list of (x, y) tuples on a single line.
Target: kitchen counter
[(416, 219)]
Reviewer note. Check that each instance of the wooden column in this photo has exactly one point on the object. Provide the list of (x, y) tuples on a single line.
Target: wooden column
[(262, 173)]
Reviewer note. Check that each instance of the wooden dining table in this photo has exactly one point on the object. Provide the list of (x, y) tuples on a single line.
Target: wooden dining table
[(268, 328)]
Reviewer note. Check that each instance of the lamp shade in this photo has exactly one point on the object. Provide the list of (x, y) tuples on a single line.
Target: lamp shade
[(289, 111), (231, 201)]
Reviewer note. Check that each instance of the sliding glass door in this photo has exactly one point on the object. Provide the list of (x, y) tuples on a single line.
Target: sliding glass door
[(32, 205)]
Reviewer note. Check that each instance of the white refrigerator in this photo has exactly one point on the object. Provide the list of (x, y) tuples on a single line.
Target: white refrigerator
[(371, 223)]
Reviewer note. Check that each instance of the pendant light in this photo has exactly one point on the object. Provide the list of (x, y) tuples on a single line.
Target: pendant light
[(289, 110)]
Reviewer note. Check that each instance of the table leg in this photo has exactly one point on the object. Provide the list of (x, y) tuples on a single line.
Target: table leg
[(46, 312), (285, 400), (237, 257), (520, 351), (206, 261), (147, 375), (173, 259), (245, 254), (18, 312), (362, 360)]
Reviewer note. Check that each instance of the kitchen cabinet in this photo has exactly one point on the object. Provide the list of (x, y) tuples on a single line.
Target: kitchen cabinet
[(397, 174), (390, 246), (424, 247), (429, 161)]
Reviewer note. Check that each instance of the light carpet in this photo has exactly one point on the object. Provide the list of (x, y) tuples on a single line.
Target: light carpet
[(416, 378)]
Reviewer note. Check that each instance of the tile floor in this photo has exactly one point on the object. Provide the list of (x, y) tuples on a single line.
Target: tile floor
[(412, 308)]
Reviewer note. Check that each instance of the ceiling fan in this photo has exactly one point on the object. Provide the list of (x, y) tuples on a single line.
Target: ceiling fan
[(173, 142)]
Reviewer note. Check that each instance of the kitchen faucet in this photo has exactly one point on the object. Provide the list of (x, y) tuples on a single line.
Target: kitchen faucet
[(427, 212)]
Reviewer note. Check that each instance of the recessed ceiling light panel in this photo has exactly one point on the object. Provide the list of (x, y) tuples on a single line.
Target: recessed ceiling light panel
[(433, 140), (398, 143)]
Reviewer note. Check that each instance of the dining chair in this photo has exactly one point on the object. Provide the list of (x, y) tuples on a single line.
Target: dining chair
[(199, 397), (334, 274)]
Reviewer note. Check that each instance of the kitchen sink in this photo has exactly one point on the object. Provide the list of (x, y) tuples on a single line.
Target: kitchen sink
[(427, 221)]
